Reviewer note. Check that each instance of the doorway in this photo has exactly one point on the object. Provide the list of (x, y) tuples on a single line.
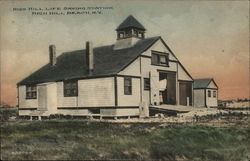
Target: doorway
[(185, 92), (167, 88)]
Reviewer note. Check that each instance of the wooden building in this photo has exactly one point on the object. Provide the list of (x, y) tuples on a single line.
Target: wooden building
[(205, 93), (108, 81)]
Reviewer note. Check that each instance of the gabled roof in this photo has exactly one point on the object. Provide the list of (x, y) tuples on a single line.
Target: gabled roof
[(130, 21), (203, 83), (71, 65)]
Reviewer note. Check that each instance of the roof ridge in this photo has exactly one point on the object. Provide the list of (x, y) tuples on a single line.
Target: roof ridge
[(130, 21), (203, 78), (70, 51)]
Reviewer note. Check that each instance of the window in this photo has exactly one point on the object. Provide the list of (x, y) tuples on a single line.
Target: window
[(159, 59), (214, 94), (70, 88), (31, 92), (146, 84), (127, 86), (209, 93), (121, 35)]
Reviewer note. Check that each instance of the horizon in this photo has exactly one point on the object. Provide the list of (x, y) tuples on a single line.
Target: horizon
[(209, 38)]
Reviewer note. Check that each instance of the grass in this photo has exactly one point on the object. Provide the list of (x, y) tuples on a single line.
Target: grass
[(78, 140), (7, 111)]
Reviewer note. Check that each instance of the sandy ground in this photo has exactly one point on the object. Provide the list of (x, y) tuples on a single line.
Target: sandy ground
[(198, 116)]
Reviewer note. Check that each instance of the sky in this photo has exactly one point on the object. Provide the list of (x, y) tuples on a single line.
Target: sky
[(210, 38)]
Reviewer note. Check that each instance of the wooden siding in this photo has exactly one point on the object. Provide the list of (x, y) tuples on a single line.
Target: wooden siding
[(26, 103), (46, 100), (64, 101), (199, 97), (212, 85), (211, 101), (185, 93), (146, 68), (128, 100), (81, 112), (182, 75), (51, 98), (154, 89), (96, 92), (108, 112), (159, 46), (42, 96), (133, 69), (127, 112)]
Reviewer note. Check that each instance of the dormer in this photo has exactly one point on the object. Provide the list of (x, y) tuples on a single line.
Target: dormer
[(129, 32)]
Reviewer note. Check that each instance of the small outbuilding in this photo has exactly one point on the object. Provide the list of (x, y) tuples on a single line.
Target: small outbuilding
[(205, 93)]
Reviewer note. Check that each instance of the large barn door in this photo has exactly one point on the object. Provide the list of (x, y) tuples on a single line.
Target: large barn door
[(185, 92), (154, 87), (171, 88)]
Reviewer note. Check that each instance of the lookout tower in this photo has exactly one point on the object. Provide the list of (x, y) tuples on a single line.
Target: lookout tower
[(129, 32)]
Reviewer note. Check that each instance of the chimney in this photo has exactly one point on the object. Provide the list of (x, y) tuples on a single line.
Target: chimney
[(89, 57), (52, 55)]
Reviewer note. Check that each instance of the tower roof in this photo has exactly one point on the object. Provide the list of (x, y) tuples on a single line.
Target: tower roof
[(130, 21)]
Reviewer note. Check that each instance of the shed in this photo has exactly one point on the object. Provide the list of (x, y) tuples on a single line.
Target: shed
[(205, 92)]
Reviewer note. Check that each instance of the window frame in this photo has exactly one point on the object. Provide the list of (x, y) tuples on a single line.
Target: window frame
[(209, 93), (128, 86), (214, 94), (146, 85), (70, 88), (31, 92), (158, 56)]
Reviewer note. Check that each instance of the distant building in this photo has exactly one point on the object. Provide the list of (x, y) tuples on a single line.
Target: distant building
[(205, 93), (109, 81)]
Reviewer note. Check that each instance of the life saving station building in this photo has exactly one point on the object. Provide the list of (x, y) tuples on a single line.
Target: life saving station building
[(122, 79)]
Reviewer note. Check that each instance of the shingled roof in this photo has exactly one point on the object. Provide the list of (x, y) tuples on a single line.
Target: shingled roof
[(71, 65), (202, 83), (130, 21)]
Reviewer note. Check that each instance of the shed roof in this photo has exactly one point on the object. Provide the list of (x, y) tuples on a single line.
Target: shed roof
[(130, 21), (71, 65), (203, 83)]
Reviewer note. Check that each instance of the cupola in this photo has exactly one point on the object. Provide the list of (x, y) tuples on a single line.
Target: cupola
[(129, 32)]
